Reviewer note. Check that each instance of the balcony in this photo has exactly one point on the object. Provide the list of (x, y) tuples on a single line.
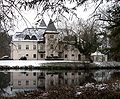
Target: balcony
[(53, 58), (41, 51)]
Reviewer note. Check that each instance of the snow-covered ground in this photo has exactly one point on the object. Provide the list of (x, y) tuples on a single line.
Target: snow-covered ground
[(28, 62), (105, 63), (36, 63)]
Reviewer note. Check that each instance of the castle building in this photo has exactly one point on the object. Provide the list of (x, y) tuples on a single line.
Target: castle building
[(42, 43)]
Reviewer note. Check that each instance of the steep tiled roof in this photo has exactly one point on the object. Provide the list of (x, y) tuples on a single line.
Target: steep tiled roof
[(51, 27), (38, 32)]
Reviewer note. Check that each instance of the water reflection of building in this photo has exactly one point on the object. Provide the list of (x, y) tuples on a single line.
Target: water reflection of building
[(24, 80), (47, 79), (41, 80)]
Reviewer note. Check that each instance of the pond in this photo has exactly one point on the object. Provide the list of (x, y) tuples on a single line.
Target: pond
[(14, 81)]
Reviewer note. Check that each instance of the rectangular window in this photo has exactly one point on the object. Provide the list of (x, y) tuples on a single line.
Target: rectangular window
[(65, 73), (27, 82), (41, 74), (34, 82), (41, 55), (65, 55), (41, 47), (51, 36), (27, 47), (19, 83), (19, 46), (34, 55), (34, 47), (34, 74)]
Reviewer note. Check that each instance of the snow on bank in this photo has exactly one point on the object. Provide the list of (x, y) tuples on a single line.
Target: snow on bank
[(37, 63), (21, 63), (107, 64)]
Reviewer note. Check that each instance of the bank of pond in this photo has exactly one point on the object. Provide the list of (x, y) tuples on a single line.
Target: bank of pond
[(57, 65)]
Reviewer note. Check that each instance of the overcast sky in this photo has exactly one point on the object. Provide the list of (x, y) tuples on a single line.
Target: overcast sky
[(30, 15)]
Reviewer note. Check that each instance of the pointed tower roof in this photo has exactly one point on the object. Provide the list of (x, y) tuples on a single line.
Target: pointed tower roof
[(51, 27), (42, 23)]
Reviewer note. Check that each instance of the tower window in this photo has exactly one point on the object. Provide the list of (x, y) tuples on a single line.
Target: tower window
[(27, 82), (41, 47), (51, 36), (19, 83)]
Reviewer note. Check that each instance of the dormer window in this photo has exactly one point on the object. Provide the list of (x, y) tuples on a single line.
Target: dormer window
[(27, 37), (33, 37)]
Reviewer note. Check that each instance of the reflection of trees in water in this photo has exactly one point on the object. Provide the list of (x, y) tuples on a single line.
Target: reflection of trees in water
[(4, 80), (46, 79), (88, 77), (102, 75), (79, 77), (115, 76), (73, 78)]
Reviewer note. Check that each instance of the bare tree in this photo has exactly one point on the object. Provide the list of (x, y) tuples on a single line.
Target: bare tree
[(110, 19), (8, 8), (59, 7), (85, 38)]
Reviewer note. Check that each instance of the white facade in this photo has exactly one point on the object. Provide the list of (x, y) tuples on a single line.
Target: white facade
[(40, 44), (43, 44), (99, 57), (24, 48), (21, 80)]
